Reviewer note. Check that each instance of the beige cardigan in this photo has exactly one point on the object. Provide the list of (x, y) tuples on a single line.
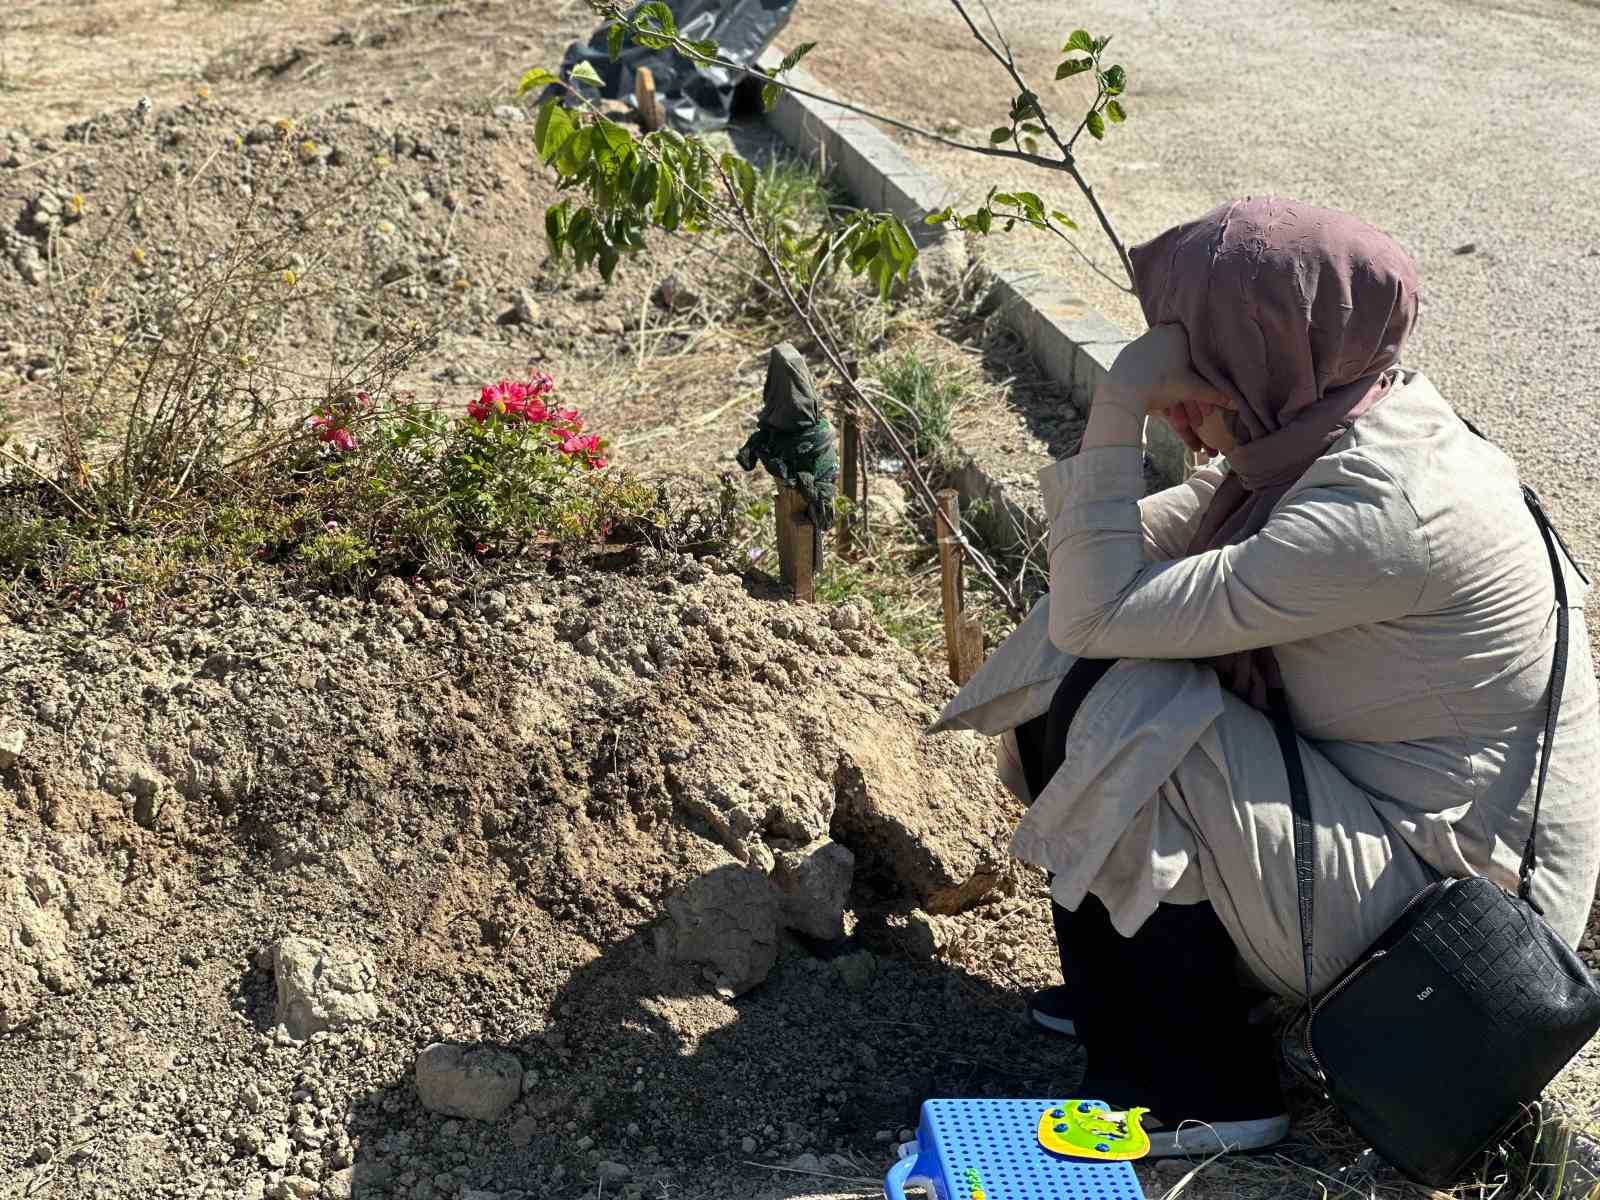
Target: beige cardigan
[(1408, 597)]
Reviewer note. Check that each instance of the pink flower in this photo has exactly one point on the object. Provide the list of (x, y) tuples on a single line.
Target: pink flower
[(567, 421), (331, 431), (511, 398), (590, 449)]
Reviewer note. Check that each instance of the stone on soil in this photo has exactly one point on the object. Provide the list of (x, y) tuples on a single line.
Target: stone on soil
[(813, 886), (322, 987), (726, 920), (475, 1082)]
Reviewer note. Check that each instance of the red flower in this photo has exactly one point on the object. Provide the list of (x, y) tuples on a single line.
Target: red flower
[(590, 449), (330, 430), (511, 398)]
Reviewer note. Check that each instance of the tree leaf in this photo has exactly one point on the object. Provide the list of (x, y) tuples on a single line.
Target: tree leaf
[(614, 36), (1031, 145), (1097, 126), (792, 59), (1002, 198), (1116, 112), (984, 219), (1073, 66), (535, 79), (660, 14), (769, 96), (704, 50), (553, 128), (555, 227), (1061, 218), (940, 217), (1030, 203), (584, 72), (1100, 43), (1080, 40), (744, 179), (1000, 133), (1116, 80), (616, 139)]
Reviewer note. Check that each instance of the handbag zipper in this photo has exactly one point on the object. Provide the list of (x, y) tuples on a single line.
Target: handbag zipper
[(1311, 1015)]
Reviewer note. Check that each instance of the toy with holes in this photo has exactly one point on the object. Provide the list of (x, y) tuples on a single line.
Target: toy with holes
[(1021, 1150)]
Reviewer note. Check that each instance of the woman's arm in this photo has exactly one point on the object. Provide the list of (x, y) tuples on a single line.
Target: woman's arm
[(1330, 557), (1170, 516)]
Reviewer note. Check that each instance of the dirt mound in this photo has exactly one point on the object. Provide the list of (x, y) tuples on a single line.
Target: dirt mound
[(568, 816)]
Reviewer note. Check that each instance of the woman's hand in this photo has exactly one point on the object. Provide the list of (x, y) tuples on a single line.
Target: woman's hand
[(1153, 375)]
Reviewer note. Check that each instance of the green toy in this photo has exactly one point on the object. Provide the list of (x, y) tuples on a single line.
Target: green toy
[(1089, 1129)]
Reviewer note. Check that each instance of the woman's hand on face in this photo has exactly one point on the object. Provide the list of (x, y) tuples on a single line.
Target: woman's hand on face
[(1153, 375)]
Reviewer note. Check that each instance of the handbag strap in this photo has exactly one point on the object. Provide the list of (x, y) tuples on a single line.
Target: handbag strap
[(1300, 798)]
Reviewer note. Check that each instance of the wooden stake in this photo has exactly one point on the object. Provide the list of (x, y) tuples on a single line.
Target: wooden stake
[(850, 434), (644, 95), (947, 524), (797, 544), (969, 646)]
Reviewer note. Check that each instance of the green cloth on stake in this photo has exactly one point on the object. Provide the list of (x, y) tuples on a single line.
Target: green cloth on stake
[(793, 440)]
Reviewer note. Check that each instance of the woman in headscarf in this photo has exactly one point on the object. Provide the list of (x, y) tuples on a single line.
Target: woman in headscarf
[(1360, 547)]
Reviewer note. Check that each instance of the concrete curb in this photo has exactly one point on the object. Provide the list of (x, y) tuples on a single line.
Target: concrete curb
[(1073, 343)]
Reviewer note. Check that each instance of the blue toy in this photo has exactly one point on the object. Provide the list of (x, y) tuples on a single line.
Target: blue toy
[(996, 1150)]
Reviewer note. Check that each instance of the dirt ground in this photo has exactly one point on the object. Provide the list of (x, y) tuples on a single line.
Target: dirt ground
[(588, 820)]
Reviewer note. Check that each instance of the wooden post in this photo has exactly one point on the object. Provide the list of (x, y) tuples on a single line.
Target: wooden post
[(969, 647), (947, 524), (797, 541), (850, 434), (644, 95)]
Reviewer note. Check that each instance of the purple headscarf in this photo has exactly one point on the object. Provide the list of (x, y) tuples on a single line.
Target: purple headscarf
[(1297, 314), (1293, 312)]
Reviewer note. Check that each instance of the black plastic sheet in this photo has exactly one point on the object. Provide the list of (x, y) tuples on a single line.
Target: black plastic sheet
[(695, 98)]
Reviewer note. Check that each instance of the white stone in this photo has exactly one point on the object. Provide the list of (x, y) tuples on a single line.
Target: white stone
[(478, 1083), (322, 987), (12, 740)]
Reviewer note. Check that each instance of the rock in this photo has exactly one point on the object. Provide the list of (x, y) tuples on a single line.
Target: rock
[(748, 1145), (476, 1082), (400, 269), (524, 309), (813, 886), (322, 987), (420, 200), (340, 1184), (12, 740), (612, 1172), (254, 1189), (523, 1132), (856, 970), (392, 591), (673, 296), (277, 1152), (926, 812), (509, 113), (886, 501), (851, 616), (728, 920)]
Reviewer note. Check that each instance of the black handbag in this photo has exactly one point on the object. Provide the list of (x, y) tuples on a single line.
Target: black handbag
[(1434, 1042)]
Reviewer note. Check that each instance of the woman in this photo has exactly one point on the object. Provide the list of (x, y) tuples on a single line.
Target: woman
[(1361, 541)]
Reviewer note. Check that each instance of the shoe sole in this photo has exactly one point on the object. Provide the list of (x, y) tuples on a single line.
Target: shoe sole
[(1233, 1137)]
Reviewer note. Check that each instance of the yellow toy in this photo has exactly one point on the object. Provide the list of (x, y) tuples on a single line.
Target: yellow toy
[(1089, 1129)]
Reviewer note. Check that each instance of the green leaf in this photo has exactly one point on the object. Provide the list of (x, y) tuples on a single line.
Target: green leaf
[(575, 153), (1097, 126), (1116, 112), (744, 178), (984, 218), (1031, 145), (555, 227), (1116, 80), (940, 217), (1030, 203), (553, 128), (584, 72), (614, 36), (1002, 198), (1100, 43), (1080, 40), (614, 137), (535, 79), (1073, 66), (1033, 129), (660, 15), (769, 96), (705, 50), (1061, 218), (1000, 133), (792, 59)]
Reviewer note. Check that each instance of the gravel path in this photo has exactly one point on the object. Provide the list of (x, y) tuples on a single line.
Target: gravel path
[(1448, 122)]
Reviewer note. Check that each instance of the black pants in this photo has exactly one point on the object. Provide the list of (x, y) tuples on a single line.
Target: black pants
[(1162, 1014)]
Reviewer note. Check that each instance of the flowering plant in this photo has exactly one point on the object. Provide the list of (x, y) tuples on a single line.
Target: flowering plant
[(514, 402)]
